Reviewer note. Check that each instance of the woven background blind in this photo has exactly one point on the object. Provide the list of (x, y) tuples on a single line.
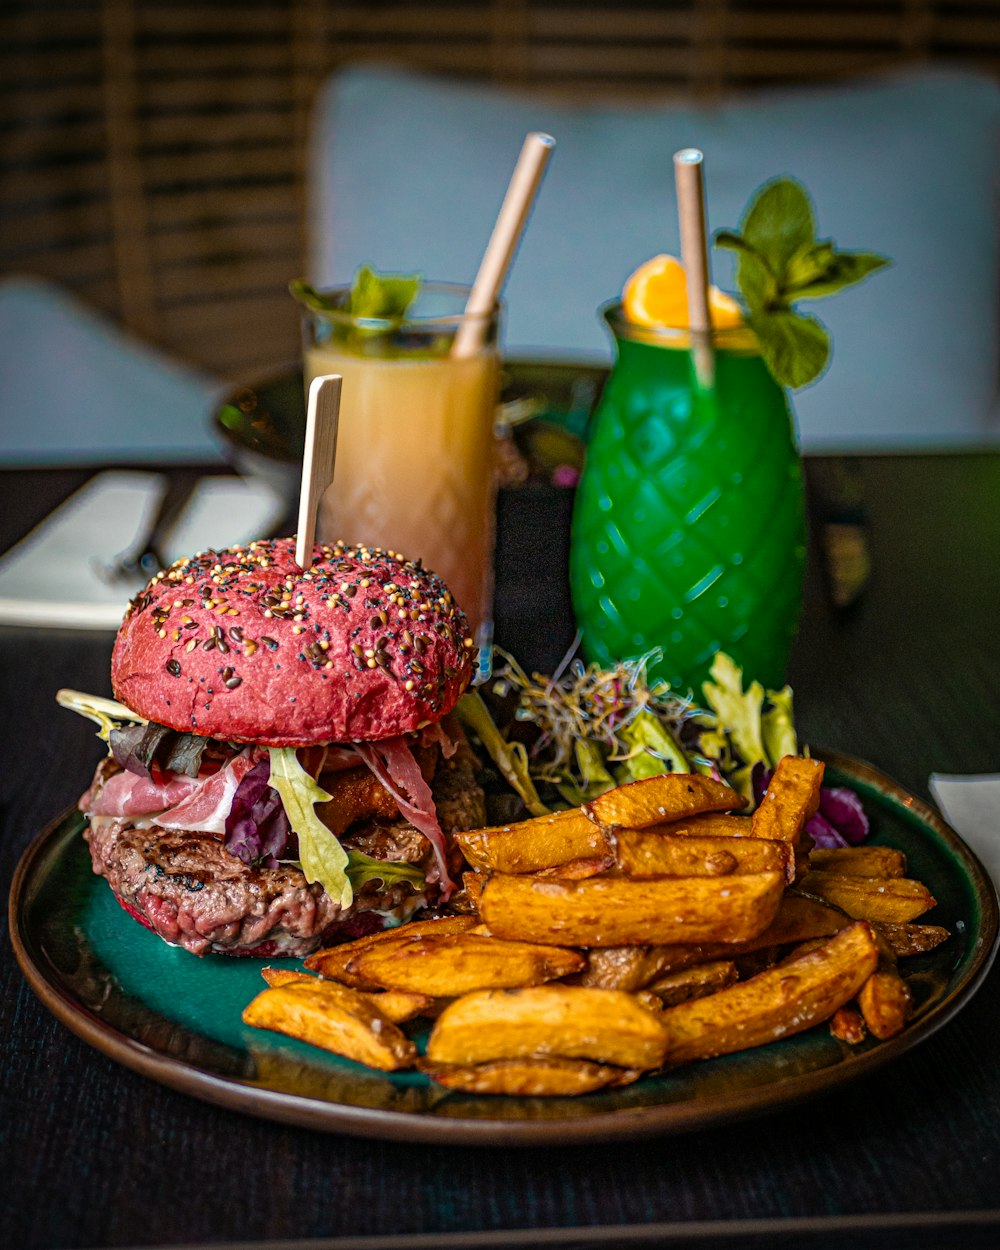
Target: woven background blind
[(152, 156)]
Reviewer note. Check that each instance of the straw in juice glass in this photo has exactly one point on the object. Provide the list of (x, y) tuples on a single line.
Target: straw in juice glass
[(510, 223)]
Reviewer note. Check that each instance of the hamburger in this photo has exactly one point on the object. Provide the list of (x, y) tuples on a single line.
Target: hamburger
[(284, 768)]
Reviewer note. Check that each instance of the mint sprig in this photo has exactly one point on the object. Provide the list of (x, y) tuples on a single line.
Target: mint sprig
[(780, 261), (386, 296)]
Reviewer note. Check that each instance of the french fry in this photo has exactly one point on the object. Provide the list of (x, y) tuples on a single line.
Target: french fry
[(848, 1025), (885, 1002), (660, 800), (578, 869), (530, 845), (284, 976), (786, 999), (890, 900), (333, 960), (621, 911), (456, 963), (335, 1018), (709, 825), (859, 861), (695, 982), (799, 918), (632, 968), (396, 1005), (792, 797), (605, 1026), (649, 853), (911, 939), (550, 1077)]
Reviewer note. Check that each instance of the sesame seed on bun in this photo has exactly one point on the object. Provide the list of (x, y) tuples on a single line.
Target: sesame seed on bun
[(244, 646)]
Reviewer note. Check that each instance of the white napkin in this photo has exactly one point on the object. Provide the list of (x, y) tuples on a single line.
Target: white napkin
[(971, 805), (51, 577)]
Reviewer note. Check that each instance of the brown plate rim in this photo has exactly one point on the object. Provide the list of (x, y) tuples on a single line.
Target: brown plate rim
[(661, 1119)]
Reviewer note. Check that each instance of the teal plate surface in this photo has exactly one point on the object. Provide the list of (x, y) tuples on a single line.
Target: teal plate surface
[(176, 1018)]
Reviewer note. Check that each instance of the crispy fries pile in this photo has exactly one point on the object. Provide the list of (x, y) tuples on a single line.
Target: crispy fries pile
[(653, 926)]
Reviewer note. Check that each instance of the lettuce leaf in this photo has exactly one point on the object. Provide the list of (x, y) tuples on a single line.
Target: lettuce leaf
[(510, 757), (322, 857), (739, 711), (362, 868), (778, 726), (257, 827), (656, 750), (106, 713)]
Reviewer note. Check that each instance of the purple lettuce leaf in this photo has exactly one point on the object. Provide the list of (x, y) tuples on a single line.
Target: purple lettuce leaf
[(842, 808), (823, 834), (257, 829)]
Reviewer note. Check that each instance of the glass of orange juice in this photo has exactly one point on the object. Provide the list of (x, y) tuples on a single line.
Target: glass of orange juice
[(414, 468)]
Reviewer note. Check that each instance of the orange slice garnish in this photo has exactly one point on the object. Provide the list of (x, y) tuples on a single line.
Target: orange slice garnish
[(656, 295)]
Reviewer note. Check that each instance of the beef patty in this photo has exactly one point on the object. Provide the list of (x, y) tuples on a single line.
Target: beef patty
[(192, 893)]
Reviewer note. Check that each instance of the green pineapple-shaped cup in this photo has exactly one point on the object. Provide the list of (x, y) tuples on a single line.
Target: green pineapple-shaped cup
[(689, 524)]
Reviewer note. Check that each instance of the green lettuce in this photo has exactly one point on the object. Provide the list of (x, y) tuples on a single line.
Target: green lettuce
[(107, 714), (361, 869), (510, 757), (322, 857)]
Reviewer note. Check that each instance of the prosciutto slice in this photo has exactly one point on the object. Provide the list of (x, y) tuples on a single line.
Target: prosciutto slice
[(392, 762), (195, 803), (127, 794)]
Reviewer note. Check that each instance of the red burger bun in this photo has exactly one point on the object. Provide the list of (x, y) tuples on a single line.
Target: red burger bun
[(243, 645)]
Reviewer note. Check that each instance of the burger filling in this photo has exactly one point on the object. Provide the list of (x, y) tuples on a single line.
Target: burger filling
[(235, 846)]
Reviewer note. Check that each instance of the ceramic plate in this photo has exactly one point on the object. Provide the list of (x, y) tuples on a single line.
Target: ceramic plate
[(176, 1018)]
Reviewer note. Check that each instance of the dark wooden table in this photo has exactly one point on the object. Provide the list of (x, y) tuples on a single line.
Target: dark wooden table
[(93, 1155)]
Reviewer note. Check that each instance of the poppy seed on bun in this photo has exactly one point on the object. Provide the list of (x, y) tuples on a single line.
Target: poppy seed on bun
[(242, 645)]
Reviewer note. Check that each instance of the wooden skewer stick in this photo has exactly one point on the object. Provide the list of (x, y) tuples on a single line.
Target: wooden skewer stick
[(322, 419), (510, 223), (690, 185)]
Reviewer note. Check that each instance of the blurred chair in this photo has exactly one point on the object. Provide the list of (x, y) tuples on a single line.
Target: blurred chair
[(75, 389), (408, 171)]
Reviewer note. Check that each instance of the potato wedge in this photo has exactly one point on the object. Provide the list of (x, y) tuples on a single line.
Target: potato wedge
[(530, 845), (284, 976), (578, 869), (708, 825), (890, 900), (859, 861), (885, 1002), (456, 963), (335, 1018), (396, 1005), (660, 800), (551, 1077), (620, 911), (632, 968), (792, 797), (911, 939), (694, 982), (649, 853), (604, 1026), (786, 999), (847, 1025), (333, 960)]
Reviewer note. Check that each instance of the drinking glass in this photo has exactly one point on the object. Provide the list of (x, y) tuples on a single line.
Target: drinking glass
[(414, 468), (689, 523)]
